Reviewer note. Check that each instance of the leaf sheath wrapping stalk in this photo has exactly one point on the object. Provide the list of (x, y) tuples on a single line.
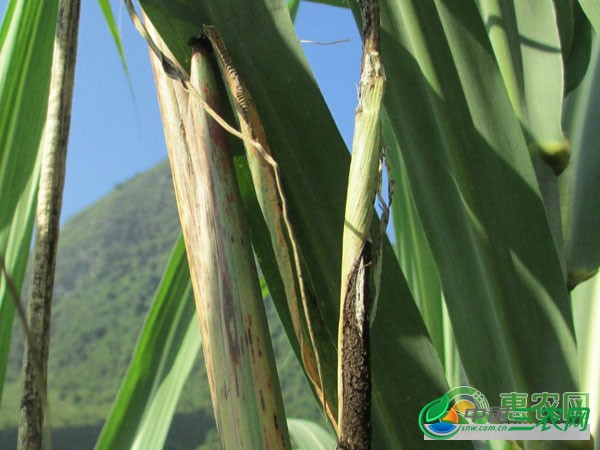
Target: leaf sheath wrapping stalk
[(235, 338), (362, 183)]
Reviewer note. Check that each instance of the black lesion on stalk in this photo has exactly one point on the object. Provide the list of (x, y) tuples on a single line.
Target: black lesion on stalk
[(355, 430), (370, 30)]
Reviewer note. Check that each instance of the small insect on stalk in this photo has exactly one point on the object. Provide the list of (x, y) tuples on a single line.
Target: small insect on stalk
[(266, 178)]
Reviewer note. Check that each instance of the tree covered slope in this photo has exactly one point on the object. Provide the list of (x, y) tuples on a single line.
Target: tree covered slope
[(111, 258)]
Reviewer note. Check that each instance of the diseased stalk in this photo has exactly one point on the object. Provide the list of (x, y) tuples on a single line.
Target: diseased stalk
[(354, 376), (266, 178), (53, 154), (235, 338)]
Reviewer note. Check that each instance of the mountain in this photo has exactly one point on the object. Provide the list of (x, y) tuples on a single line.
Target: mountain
[(110, 260)]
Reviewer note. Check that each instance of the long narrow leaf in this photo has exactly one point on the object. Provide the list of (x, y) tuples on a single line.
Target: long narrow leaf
[(592, 10), (412, 249), (309, 436), (293, 6), (26, 39), (468, 166), (578, 58), (581, 184), (586, 312), (526, 42), (565, 23), (114, 31), (418, 265), (527, 46), (168, 345), (339, 3)]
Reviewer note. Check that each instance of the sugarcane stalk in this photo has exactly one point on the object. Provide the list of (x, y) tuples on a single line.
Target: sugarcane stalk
[(53, 154), (235, 338), (354, 377), (266, 178)]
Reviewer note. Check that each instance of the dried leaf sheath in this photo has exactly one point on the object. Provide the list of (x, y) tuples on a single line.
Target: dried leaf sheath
[(236, 343)]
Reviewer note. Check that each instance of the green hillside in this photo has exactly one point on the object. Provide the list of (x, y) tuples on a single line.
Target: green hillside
[(111, 258)]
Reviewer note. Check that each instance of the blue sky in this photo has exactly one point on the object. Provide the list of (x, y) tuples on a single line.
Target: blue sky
[(112, 138)]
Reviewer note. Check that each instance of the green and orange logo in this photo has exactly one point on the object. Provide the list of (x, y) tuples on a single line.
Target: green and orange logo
[(440, 419)]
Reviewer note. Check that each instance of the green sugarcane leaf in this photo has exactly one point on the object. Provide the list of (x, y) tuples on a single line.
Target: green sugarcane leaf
[(586, 312), (471, 175), (308, 435), (26, 45), (526, 42), (114, 31), (293, 6), (417, 263), (527, 45), (581, 183), (339, 3), (167, 347), (412, 249), (314, 167), (578, 59), (566, 27), (592, 10)]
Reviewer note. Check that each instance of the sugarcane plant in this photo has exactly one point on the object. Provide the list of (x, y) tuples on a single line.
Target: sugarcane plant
[(483, 114)]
